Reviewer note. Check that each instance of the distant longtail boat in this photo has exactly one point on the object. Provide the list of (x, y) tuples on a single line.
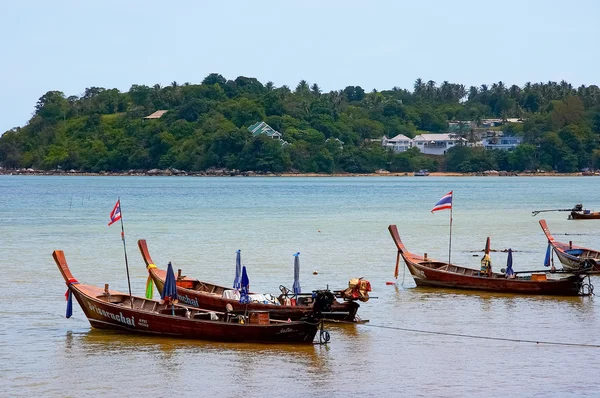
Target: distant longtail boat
[(428, 272), (572, 257)]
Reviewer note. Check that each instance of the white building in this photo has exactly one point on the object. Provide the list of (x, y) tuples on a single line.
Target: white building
[(504, 143), (436, 144), (399, 143)]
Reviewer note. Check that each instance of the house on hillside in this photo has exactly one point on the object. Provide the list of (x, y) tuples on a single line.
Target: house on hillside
[(259, 128), (437, 144), (399, 143), (503, 143), (263, 128)]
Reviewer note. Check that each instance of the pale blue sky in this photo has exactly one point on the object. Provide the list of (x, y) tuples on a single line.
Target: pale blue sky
[(69, 45)]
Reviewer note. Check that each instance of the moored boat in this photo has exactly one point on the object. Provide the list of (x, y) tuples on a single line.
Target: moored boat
[(576, 213), (572, 257), (584, 215), (206, 295), (107, 309), (428, 272)]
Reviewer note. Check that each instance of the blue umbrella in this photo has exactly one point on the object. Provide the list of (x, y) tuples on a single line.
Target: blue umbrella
[(69, 303), (245, 288), (238, 270), (296, 286), (548, 254), (509, 261), (170, 288)]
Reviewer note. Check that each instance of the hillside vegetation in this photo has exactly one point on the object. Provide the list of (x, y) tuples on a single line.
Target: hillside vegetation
[(206, 127)]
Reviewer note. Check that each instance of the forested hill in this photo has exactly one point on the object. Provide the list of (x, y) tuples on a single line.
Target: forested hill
[(206, 126)]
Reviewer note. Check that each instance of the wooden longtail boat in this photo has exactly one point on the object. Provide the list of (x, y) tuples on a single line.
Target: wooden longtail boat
[(106, 309), (576, 213), (585, 215), (428, 272), (210, 296), (572, 257)]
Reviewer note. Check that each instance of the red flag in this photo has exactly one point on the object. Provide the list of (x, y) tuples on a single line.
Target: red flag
[(115, 214)]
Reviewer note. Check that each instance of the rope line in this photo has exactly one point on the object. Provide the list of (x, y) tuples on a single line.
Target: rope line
[(470, 336)]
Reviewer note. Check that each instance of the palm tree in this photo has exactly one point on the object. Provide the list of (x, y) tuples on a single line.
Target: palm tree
[(419, 87), (336, 98), (459, 92), (430, 90), (500, 87), (445, 92), (473, 92)]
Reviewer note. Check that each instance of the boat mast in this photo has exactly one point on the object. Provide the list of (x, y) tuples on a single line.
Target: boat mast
[(450, 243), (125, 251)]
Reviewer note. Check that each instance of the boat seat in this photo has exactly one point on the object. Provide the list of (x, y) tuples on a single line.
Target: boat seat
[(178, 311), (202, 315)]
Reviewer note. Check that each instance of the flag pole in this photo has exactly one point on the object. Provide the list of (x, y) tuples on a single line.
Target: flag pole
[(125, 251), (450, 244)]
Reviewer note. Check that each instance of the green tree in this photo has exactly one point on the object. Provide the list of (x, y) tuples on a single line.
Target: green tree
[(52, 106)]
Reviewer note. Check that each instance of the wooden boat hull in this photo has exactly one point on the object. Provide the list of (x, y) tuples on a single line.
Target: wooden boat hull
[(427, 272), (571, 257), (584, 216), (344, 311), (425, 276), (103, 315), (113, 311)]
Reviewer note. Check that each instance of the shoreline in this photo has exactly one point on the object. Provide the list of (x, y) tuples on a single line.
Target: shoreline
[(237, 173)]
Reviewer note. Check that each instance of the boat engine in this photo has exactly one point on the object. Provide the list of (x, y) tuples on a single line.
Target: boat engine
[(323, 299)]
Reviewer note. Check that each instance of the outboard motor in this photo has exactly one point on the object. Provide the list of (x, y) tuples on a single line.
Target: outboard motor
[(323, 299)]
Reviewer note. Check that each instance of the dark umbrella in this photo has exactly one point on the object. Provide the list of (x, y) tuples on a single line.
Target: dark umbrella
[(238, 270), (170, 288), (245, 288), (69, 295), (548, 254), (296, 285), (509, 261)]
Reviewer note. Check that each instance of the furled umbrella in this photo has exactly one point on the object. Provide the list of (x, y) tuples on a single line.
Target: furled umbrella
[(548, 256), (296, 285), (170, 288), (245, 287), (238, 270), (509, 262)]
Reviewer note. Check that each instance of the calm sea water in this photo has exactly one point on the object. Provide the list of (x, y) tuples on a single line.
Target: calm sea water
[(340, 227)]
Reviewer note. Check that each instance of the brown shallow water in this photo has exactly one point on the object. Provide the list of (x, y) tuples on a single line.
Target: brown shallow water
[(199, 227), (65, 357)]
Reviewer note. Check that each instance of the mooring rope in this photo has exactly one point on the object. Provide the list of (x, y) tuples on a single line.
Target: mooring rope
[(470, 336)]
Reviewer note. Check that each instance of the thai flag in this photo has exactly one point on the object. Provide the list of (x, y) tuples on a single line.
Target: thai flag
[(444, 203), (115, 214)]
